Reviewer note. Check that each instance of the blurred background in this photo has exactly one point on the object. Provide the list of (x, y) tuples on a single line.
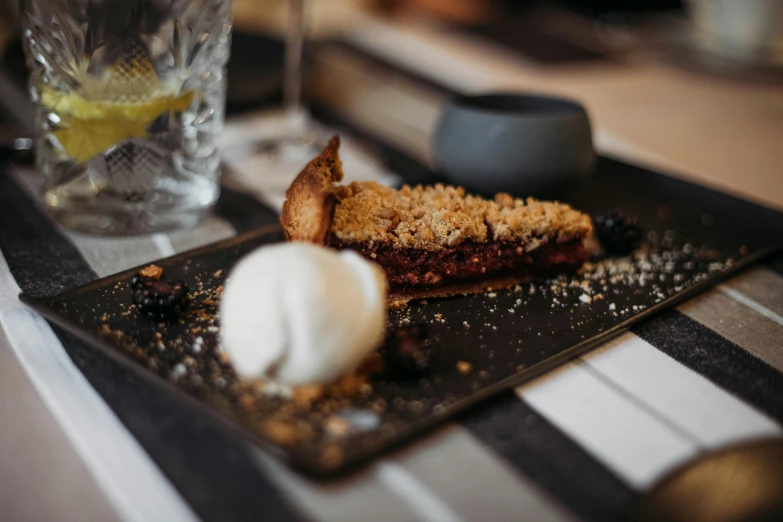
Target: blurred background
[(690, 86)]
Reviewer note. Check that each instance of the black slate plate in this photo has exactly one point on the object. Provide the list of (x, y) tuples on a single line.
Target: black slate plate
[(482, 344)]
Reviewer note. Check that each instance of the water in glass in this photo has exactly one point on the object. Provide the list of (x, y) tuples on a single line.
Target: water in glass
[(130, 97)]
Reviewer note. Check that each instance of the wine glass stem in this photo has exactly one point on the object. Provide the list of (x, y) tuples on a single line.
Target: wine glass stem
[(292, 83)]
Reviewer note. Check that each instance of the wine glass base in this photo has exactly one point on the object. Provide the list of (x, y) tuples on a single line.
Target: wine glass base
[(285, 150)]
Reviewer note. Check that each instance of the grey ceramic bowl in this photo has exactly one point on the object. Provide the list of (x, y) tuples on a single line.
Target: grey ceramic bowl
[(517, 143)]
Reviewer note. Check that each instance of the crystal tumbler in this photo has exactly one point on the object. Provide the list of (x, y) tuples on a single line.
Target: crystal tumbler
[(130, 99)]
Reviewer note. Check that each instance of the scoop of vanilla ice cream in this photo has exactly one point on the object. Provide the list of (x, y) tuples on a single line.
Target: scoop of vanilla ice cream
[(298, 314)]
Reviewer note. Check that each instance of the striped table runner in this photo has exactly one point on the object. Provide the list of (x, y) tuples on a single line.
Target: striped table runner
[(580, 443)]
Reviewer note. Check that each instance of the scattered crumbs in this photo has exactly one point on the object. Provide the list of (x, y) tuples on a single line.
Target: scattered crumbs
[(511, 311), (466, 324), (612, 306), (518, 302), (217, 274), (492, 295), (105, 329), (585, 298), (464, 367)]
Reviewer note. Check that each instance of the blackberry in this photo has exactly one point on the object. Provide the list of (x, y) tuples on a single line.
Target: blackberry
[(406, 354), (159, 300), (136, 281), (618, 233)]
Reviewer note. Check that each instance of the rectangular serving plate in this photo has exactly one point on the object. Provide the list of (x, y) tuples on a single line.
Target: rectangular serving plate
[(507, 338)]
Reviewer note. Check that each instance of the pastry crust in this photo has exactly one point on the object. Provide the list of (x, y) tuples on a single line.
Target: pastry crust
[(400, 298), (309, 203)]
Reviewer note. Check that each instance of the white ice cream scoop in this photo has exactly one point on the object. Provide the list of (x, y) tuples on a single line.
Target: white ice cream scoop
[(298, 314)]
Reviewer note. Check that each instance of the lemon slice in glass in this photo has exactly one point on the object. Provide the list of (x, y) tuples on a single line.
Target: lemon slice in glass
[(89, 127), (111, 109)]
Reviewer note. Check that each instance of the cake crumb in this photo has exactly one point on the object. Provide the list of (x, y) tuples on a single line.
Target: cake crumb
[(151, 272), (337, 426), (279, 432), (304, 396), (332, 456), (464, 367), (247, 401), (348, 386)]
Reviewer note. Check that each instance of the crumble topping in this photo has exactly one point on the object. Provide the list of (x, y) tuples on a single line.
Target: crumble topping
[(437, 217)]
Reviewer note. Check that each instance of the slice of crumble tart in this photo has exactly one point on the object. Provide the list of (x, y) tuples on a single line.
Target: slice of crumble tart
[(433, 241)]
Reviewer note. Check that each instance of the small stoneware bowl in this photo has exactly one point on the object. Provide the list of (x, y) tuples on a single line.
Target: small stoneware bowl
[(517, 143)]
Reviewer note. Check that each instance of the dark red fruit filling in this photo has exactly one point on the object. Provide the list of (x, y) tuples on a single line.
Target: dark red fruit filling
[(468, 261)]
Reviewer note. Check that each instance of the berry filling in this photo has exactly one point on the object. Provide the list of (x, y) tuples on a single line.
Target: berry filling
[(468, 261)]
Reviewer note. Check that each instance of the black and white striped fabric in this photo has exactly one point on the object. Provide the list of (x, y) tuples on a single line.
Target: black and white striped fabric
[(580, 443)]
